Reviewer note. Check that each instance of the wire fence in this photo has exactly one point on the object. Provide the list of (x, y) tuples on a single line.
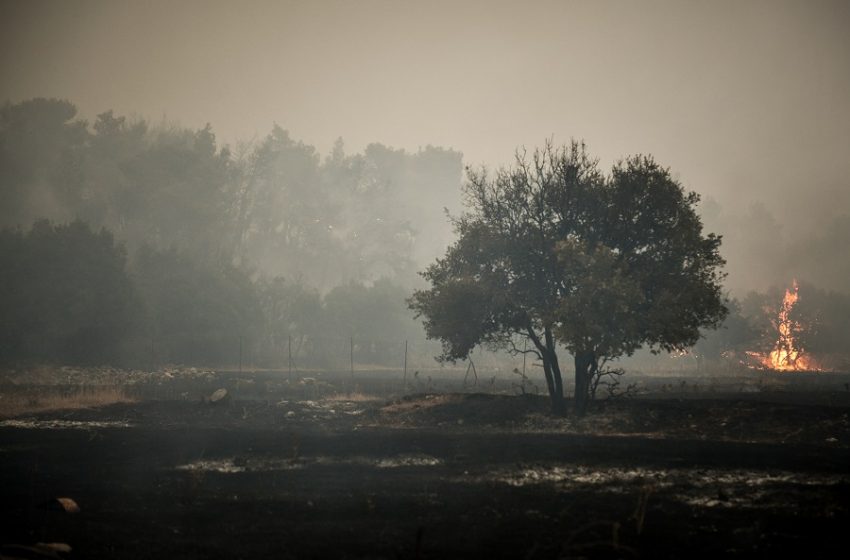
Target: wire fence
[(406, 359), (300, 353)]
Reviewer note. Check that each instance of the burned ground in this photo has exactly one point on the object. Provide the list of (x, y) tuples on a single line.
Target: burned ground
[(318, 468)]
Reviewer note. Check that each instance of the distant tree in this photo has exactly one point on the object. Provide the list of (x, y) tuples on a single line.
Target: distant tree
[(391, 218), (174, 190), (285, 217), (553, 251), (112, 144), (65, 294), (737, 334), (205, 224), (164, 186), (291, 312), (41, 153), (196, 309), (274, 205), (374, 226), (376, 316)]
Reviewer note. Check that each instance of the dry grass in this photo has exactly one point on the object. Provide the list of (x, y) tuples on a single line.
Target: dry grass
[(356, 396), (421, 403), (31, 402)]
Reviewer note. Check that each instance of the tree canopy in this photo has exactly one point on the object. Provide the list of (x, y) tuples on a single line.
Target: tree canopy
[(274, 205), (64, 294), (210, 245), (555, 252)]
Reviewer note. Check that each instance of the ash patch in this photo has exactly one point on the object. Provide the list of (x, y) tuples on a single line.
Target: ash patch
[(60, 424), (236, 465), (699, 488)]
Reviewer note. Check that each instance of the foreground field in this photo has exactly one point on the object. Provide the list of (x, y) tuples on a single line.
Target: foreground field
[(310, 469)]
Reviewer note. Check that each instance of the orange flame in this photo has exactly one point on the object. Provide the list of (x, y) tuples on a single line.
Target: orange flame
[(787, 356)]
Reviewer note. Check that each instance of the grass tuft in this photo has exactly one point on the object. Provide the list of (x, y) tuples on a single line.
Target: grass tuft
[(31, 402), (356, 396)]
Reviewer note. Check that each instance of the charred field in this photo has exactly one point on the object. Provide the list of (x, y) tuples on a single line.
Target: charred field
[(365, 467)]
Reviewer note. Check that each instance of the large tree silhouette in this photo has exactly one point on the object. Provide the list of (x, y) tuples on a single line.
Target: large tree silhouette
[(554, 251)]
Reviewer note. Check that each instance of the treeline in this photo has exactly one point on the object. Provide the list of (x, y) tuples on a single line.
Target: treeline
[(127, 242), (70, 295), (274, 205)]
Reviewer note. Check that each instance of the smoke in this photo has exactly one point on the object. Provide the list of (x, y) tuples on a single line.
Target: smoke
[(748, 103), (764, 251)]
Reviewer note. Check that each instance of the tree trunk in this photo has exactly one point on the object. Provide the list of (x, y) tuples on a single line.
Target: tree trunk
[(547, 373), (586, 365), (555, 386), (551, 369), (558, 406)]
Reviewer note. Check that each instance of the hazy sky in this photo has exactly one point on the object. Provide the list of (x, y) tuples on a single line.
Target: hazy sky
[(744, 100)]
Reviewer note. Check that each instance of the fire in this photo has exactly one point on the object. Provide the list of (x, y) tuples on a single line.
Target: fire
[(787, 356)]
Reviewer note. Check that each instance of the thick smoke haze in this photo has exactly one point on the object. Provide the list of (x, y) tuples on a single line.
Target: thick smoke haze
[(424, 278), (747, 102)]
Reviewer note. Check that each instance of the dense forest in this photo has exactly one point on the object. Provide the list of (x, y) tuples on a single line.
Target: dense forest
[(132, 243), (125, 241)]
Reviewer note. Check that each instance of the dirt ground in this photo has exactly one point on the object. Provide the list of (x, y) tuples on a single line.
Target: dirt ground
[(325, 468)]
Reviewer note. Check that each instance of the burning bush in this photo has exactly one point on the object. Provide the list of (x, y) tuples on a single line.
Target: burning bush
[(806, 329)]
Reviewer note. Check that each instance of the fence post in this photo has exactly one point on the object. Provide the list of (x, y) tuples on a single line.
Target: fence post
[(471, 366), (405, 363), (240, 354)]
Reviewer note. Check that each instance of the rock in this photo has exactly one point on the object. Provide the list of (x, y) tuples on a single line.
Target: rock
[(40, 550), (55, 546), (220, 396), (61, 504)]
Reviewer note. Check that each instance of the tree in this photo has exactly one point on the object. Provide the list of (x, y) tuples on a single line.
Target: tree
[(391, 202), (197, 310), (173, 190), (285, 218), (291, 312), (554, 251), (65, 294), (375, 315), (41, 153), (726, 345)]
